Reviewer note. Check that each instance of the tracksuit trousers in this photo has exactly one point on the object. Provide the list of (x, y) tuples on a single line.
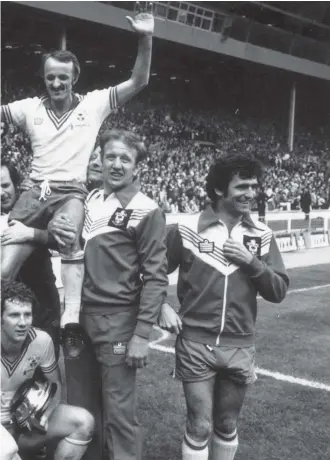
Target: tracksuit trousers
[(114, 385)]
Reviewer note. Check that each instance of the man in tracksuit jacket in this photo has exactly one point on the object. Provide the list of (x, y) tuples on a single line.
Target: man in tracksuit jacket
[(124, 287), (225, 260)]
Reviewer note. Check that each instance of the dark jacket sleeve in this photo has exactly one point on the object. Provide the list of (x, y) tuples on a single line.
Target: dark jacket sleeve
[(151, 247), (174, 247), (269, 274)]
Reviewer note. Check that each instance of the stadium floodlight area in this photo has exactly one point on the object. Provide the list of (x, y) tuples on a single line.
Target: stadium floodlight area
[(209, 29)]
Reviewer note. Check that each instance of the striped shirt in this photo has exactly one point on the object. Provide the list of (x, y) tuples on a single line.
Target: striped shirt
[(37, 351)]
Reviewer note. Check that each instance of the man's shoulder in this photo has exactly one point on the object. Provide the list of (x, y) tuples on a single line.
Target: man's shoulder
[(95, 93), (93, 193), (39, 337), (190, 220), (24, 106), (263, 228), (142, 201)]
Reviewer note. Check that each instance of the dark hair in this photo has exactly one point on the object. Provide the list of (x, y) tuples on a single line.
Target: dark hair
[(130, 139), (13, 173), (226, 167), (15, 290), (62, 56)]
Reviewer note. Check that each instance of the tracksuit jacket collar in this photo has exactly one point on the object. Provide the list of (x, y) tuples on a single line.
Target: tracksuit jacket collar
[(126, 194), (208, 217)]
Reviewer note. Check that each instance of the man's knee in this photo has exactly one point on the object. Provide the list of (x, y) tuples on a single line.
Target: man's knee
[(225, 423), (72, 252), (83, 423), (9, 448), (8, 266), (199, 428)]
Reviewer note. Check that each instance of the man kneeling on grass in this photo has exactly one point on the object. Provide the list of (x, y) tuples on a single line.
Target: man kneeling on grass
[(26, 351)]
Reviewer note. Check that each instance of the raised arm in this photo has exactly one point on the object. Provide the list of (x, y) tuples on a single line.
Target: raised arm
[(143, 25)]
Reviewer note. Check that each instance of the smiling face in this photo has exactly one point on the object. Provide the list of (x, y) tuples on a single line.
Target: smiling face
[(59, 78), (119, 165), (240, 194), (8, 193), (16, 321)]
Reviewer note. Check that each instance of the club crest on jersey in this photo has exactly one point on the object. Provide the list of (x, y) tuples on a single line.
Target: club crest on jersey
[(120, 218), (38, 121), (206, 246), (253, 245), (81, 117), (33, 362)]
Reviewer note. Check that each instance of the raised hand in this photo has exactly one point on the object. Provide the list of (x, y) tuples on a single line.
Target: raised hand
[(143, 22)]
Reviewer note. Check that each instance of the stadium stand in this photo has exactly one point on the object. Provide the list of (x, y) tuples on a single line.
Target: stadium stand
[(197, 106), (175, 169)]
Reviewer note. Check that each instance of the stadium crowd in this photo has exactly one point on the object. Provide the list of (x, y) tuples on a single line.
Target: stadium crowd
[(183, 141)]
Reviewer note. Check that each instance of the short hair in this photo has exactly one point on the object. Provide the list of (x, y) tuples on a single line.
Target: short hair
[(16, 290), (226, 167), (62, 56), (130, 139), (13, 172)]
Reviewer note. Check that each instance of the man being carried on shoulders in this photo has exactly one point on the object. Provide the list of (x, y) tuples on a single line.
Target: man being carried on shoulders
[(63, 127)]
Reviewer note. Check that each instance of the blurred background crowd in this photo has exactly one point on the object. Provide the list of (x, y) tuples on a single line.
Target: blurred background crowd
[(185, 133)]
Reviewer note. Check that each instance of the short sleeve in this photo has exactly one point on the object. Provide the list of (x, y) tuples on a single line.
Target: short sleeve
[(16, 112), (103, 102), (48, 361)]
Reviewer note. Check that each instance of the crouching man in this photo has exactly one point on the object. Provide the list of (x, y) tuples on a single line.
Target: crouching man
[(25, 351)]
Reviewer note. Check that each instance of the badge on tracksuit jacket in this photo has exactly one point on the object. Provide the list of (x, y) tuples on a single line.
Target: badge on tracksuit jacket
[(120, 218), (253, 245)]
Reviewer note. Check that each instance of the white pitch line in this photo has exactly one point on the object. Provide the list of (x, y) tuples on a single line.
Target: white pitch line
[(312, 288), (275, 375), (296, 291), (296, 380)]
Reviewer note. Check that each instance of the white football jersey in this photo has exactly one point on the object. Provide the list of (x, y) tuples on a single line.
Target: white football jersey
[(62, 145), (37, 351)]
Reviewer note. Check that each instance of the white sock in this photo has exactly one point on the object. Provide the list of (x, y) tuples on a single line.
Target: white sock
[(71, 449), (224, 448), (72, 272), (194, 450)]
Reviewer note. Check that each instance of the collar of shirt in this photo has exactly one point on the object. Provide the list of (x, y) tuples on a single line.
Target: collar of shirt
[(125, 194), (208, 217), (47, 102)]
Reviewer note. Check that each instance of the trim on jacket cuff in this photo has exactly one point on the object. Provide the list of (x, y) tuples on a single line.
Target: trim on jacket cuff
[(255, 268), (143, 329)]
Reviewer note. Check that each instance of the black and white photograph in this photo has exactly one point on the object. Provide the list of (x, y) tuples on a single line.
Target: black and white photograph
[(165, 230)]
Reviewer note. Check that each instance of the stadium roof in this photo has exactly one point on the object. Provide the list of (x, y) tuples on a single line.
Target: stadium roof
[(308, 19), (40, 29)]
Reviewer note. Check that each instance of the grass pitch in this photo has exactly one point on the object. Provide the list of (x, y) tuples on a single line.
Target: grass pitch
[(280, 420)]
